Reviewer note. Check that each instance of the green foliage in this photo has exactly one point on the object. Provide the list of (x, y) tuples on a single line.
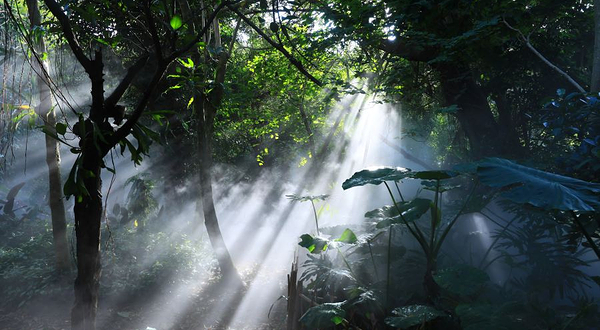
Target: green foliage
[(539, 188), (390, 215), (376, 176), (313, 244), (409, 316), (323, 316), (461, 280)]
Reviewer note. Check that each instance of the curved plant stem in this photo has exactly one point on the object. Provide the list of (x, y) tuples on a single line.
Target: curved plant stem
[(316, 218), (438, 246), (373, 261), (399, 193), (389, 263), (505, 228), (416, 232), (434, 213), (586, 234)]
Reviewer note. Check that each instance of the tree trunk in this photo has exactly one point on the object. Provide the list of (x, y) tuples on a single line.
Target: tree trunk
[(46, 112), (474, 113), (595, 84), (88, 206), (207, 203), (88, 214)]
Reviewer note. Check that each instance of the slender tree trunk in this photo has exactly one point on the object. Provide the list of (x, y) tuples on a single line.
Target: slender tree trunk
[(207, 205), (595, 84), (309, 133), (45, 110), (205, 109)]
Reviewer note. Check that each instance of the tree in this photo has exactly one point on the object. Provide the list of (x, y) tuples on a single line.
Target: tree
[(46, 112), (97, 136)]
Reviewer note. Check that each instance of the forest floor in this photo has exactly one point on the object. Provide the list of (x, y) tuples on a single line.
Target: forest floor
[(203, 310)]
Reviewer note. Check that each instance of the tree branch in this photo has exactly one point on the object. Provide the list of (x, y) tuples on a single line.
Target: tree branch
[(57, 11), (527, 43), (192, 43), (125, 129), (153, 32), (275, 45), (118, 92)]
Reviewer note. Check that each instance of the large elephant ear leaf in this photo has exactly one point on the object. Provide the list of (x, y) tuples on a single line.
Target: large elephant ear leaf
[(324, 316), (434, 175), (539, 188), (389, 214), (409, 316), (376, 175)]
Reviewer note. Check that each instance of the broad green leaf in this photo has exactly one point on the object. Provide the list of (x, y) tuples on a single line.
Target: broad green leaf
[(348, 236), (389, 214), (61, 128), (444, 186), (539, 188), (313, 244), (461, 280), (324, 316), (176, 22), (376, 175), (412, 315), (434, 175)]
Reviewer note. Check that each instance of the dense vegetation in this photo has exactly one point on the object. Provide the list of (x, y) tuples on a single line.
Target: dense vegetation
[(183, 141)]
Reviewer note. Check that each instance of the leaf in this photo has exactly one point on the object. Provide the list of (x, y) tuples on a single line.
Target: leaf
[(542, 189), (412, 315), (376, 175), (61, 128), (176, 22), (10, 199), (324, 316), (461, 280), (596, 279), (313, 244), (389, 215), (274, 27), (348, 236), (188, 63), (434, 175), (443, 187), (296, 198)]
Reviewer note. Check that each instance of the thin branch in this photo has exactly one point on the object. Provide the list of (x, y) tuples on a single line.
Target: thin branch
[(275, 45), (527, 43), (193, 43), (124, 130), (57, 11), (153, 32), (118, 92)]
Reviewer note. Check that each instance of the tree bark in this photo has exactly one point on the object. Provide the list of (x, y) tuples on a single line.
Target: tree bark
[(205, 108), (474, 113), (595, 84), (46, 112), (88, 215)]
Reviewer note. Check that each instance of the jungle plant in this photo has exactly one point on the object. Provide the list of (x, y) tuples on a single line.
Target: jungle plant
[(462, 284), (311, 199)]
